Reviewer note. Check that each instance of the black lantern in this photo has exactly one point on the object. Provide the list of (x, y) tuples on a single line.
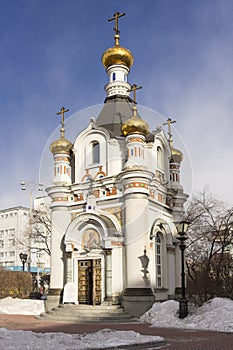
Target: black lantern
[(182, 228), (23, 258)]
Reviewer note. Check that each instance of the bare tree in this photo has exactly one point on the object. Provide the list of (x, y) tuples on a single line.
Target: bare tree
[(40, 231), (209, 247), (37, 235)]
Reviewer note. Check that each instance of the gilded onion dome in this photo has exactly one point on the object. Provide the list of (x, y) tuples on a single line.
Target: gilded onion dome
[(117, 55), (176, 155), (61, 145), (135, 125)]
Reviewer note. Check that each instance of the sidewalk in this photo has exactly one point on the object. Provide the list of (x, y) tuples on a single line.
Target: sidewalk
[(177, 339)]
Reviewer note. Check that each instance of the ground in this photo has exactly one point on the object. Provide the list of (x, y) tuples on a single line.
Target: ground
[(209, 327), (177, 339)]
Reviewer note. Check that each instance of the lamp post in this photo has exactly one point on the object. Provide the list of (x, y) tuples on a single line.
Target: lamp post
[(31, 186), (182, 228), (23, 258)]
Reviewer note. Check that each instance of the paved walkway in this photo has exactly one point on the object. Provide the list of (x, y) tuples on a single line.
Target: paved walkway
[(176, 339)]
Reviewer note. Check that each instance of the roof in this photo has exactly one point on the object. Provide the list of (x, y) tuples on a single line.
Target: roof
[(116, 110), (14, 209)]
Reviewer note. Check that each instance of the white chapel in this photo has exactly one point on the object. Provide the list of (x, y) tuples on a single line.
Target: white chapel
[(115, 198)]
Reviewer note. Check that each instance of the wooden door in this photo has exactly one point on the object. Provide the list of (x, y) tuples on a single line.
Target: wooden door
[(89, 282), (96, 282), (85, 282)]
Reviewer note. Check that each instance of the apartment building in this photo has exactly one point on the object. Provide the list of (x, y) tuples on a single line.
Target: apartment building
[(14, 239)]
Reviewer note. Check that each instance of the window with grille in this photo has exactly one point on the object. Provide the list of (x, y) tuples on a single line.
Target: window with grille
[(158, 260)]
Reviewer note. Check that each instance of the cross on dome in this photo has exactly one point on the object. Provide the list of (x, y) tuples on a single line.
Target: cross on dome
[(176, 155), (134, 88), (168, 123), (62, 113), (115, 17)]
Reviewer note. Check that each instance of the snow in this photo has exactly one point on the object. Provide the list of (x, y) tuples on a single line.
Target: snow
[(215, 315), (15, 306), (19, 340)]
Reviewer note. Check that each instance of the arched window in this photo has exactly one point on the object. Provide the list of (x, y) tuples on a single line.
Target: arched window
[(159, 157), (113, 76), (95, 152), (158, 259)]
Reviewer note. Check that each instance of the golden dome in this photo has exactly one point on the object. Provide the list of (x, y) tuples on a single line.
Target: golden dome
[(61, 145), (117, 55), (135, 125), (176, 156)]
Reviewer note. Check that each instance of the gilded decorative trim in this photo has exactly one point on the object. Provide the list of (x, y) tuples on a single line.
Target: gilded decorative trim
[(60, 199), (136, 184), (116, 244), (63, 159), (135, 139)]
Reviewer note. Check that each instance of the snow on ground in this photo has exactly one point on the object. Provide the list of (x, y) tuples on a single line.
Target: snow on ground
[(15, 306), (19, 340), (215, 315)]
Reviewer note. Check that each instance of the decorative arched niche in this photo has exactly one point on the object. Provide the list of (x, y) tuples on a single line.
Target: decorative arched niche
[(90, 231)]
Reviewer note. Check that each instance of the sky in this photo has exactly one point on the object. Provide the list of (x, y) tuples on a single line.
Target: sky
[(215, 315), (50, 56)]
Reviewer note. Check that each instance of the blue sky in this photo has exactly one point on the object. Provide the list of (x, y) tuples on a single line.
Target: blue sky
[(50, 56)]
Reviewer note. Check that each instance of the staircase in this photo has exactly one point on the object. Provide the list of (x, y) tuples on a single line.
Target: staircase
[(88, 314)]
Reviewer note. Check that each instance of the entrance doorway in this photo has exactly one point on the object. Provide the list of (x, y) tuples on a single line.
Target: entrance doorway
[(89, 281)]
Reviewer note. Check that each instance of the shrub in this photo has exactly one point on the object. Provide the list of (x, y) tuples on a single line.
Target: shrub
[(15, 284)]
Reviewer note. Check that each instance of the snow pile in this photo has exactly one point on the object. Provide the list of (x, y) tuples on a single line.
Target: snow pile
[(15, 306), (19, 340), (215, 315), (162, 314)]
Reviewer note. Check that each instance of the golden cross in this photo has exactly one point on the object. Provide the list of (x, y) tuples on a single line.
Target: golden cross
[(62, 112), (168, 123), (134, 88), (115, 17)]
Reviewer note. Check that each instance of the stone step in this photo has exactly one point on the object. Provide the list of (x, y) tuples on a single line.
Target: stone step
[(87, 318), (86, 307), (88, 314)]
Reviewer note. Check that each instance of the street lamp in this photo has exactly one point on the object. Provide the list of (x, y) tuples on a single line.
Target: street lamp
[(182, 228), (23, 258)]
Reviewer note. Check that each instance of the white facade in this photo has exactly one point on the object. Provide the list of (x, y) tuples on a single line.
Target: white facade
[(113, 231)]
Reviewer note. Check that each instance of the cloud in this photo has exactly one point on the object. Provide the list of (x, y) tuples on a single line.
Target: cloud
[(200, 99), (183, 60)]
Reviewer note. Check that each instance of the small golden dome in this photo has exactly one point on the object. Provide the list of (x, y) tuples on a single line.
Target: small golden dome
[(117, 55), (61, 145), (135, 125), (176, 156)]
